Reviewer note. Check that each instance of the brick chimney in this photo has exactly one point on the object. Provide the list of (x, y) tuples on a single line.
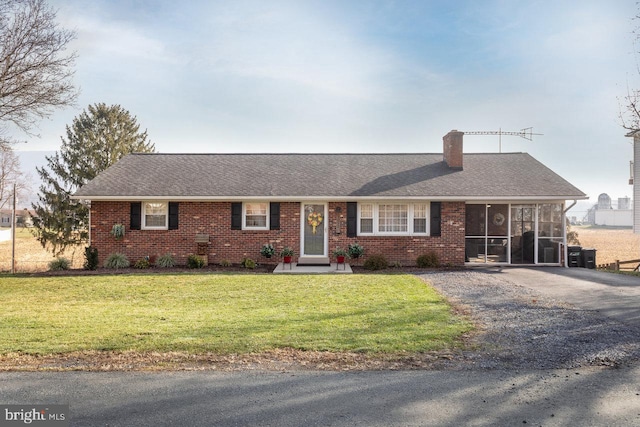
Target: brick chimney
[(452, 149)]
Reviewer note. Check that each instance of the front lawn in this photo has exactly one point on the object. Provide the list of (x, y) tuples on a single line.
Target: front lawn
[(224, 314)]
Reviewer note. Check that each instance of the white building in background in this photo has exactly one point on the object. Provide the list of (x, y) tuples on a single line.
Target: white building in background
[(610, 214)]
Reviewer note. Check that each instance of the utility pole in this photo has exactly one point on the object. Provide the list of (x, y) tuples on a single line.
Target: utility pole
[(13, 232)]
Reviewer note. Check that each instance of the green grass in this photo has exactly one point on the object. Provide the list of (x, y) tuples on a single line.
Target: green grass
[(224, 314)]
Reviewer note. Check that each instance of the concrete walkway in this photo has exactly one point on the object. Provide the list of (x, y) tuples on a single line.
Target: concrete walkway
[(294, 268), (613, 295)]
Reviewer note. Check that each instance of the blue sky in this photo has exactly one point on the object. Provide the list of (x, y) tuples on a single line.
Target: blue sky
[(364, 76)]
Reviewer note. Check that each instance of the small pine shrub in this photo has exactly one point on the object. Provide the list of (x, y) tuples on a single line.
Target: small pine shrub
[(90, 258), (355, 250), (225, 263), (59, 264), (376, 262), (166, 261), (194, 261), (428, 260), (248, 263), (142, 264), (116, 261), (397, 264)]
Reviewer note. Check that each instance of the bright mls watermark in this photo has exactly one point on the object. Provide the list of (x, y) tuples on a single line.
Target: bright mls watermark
[(35, 415)]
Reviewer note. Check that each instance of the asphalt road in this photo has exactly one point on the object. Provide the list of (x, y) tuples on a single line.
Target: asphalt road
[(585, 397)]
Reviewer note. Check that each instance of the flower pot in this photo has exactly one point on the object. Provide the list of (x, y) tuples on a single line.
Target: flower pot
[(340, 259), (287, 260)]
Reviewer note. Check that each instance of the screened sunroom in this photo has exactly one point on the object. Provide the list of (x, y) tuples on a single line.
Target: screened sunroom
[(514, 233)]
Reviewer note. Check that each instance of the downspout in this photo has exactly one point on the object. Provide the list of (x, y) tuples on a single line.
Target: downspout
[(564, 234)]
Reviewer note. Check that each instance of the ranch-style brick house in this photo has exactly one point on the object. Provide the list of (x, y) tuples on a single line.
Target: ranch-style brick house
[(470, 209)]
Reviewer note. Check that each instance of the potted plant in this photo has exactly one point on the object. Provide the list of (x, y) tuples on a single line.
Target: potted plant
[(267, 250), (340, 255), (117, 231), (287, 254)]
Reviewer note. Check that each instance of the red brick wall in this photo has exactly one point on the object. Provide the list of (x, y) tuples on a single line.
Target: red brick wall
[(405, 249), (214, 218)]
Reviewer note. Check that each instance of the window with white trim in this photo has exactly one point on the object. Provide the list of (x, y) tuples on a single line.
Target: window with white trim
[(366, 218), (420, 218), (155, 215), (393, 218), (255, 216)]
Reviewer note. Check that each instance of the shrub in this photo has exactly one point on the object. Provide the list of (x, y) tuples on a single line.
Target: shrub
[(376, 262), (90, 258), (142, 263), (248, 263), (355, 251), (428, 260), (194, 261), (116, 260), (59, 264), (166, 261), (225, 263)]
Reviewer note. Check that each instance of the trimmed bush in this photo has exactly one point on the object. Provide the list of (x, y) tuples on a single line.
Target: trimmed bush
[(428, 260), (142, 264), (116, 261), (59, 264), (194, 261), (355, 250), (376, 262), (248, 263), (90, 258), (166, 261), (225, 263)]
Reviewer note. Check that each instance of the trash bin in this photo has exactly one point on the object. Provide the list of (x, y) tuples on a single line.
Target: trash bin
[(574, 254), (588, 258)]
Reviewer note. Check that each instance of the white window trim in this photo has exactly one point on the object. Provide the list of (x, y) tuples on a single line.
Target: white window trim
[(143, 220), (410, 208), (244, 216)]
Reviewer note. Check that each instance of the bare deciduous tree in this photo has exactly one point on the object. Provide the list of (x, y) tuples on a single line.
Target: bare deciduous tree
[(10, 174), (35, 71)]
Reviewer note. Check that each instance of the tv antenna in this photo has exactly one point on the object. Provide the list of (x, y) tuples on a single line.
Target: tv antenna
[(526, 133)]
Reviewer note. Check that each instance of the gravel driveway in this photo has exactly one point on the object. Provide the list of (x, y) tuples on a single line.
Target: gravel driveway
[(522, 329)]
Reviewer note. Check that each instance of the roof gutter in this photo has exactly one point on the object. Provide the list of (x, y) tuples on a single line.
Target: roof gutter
[(332, 198)]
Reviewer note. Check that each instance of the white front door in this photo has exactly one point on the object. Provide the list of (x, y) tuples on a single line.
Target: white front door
[(313, 229)]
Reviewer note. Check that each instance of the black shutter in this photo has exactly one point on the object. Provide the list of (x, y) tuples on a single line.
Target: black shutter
[(136, 216), (173, 215), (352, 219), (436, 219), (274, 216), (236, 216)]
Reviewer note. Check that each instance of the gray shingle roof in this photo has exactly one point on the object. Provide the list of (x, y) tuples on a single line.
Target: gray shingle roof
[(331, 176)]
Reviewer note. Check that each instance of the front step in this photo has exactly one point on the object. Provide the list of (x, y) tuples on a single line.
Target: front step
[(302, 261)]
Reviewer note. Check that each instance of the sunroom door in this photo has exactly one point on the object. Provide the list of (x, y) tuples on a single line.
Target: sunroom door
[(314, 236)]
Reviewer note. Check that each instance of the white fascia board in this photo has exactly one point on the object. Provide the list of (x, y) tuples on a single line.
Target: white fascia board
[(330, 198)]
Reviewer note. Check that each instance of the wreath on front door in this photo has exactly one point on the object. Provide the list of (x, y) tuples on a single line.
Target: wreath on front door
[(314, 219)]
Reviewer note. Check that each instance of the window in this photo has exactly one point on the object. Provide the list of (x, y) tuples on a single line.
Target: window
[(256, 216), (366, 218), (392, 218), (155, 215)]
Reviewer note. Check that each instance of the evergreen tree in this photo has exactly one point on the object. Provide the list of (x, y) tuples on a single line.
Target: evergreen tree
[(97, 138)]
